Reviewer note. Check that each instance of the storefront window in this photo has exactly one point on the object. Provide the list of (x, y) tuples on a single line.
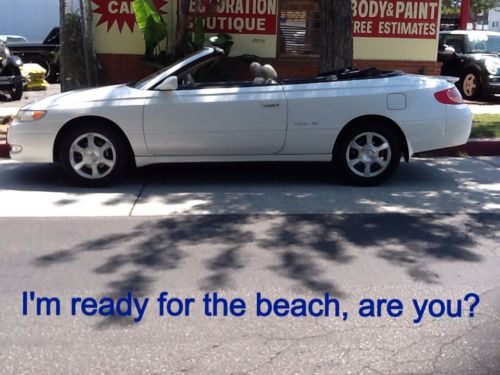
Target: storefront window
[(299, 33)]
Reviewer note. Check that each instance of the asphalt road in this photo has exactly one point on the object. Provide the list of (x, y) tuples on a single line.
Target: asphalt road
[(430, 233), (352, 257)]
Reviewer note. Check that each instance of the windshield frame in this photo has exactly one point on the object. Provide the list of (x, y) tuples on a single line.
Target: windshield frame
[(153, 80)]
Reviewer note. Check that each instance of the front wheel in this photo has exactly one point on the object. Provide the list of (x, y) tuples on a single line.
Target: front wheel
[(470, 86), (93, 155), (17, 92), (368, 153)]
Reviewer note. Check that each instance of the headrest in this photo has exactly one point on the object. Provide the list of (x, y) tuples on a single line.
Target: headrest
[(269, 72), (256, 69)]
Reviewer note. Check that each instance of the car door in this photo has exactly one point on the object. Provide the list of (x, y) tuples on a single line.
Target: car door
[(244, 120)]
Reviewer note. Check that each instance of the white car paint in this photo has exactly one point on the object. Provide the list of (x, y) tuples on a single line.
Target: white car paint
[(227, 121), (279, 122)]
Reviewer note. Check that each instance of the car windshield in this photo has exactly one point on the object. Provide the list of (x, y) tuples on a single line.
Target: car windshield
[(145, 81), (483, 43), (153, 79)]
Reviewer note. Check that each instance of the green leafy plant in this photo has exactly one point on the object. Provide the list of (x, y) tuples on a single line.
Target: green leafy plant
[(198, 33), (155, 31), (152, 26)]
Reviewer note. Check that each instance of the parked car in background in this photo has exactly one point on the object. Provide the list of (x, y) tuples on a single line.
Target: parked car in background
[(12, 38), (43, 53), (364, 121), (11, 80), (474, 57)]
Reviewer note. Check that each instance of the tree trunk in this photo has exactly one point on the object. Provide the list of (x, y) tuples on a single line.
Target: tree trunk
[(336, 35), (182, 22), (62, 47)]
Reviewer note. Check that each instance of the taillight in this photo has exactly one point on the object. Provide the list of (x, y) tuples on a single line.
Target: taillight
[(449, 96)]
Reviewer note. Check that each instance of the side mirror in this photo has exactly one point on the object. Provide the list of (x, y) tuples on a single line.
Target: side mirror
[(449, 50), (169, 84)]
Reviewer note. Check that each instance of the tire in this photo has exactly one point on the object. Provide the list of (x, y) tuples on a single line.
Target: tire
[(17, 92), (368, 153), (97, 165), (470, 85)]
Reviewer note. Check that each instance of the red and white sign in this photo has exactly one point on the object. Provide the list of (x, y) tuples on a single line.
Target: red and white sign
[(416, 19), (237, 16), (120, 11)]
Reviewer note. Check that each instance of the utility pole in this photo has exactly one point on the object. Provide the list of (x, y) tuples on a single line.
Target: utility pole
[(62, 46), (464, 14)]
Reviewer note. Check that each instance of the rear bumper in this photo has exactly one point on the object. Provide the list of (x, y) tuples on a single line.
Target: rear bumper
[(458, 125), (452, 129)]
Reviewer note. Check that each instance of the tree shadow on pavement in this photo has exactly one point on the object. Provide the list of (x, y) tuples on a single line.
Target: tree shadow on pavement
[(155, 247), (408, 241), (306, 250)]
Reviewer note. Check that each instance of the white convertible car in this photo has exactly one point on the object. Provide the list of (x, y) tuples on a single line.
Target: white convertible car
[(362, 121)]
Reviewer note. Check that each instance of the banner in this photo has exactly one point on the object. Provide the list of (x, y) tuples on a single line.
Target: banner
[(237, 16), (120, 11), (417, 19)]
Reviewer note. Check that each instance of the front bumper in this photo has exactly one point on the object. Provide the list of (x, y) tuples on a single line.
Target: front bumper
[(29, 144), (492, 85), (10, 82)]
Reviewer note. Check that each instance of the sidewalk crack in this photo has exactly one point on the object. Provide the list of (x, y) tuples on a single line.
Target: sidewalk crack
[(143, 186)]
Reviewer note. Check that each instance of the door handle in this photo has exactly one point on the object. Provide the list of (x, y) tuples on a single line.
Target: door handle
[(270, 105)]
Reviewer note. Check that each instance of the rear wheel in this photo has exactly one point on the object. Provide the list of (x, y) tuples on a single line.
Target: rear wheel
[(93, 155), (368, 153)]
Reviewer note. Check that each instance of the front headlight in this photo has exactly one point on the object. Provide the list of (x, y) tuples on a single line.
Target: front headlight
[(26, 115), (493, 66)]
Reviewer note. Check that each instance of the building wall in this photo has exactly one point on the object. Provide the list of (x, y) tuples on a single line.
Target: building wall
[(494, 18), (120, 46)]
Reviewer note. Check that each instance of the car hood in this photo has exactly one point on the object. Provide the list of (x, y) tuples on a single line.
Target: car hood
[(86, 96), (484, 56)]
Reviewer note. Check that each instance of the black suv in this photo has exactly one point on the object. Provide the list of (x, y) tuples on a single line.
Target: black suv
[(43, 53), (474, 57)]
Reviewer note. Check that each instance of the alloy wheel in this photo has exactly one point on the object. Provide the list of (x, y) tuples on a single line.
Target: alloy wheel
[(92, 156), (368, 154), (470, 85)]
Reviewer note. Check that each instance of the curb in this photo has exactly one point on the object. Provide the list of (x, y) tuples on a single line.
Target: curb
[(4, 149), (475, 147)]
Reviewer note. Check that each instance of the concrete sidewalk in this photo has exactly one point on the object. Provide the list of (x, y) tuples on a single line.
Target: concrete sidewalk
[(444, 185)]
